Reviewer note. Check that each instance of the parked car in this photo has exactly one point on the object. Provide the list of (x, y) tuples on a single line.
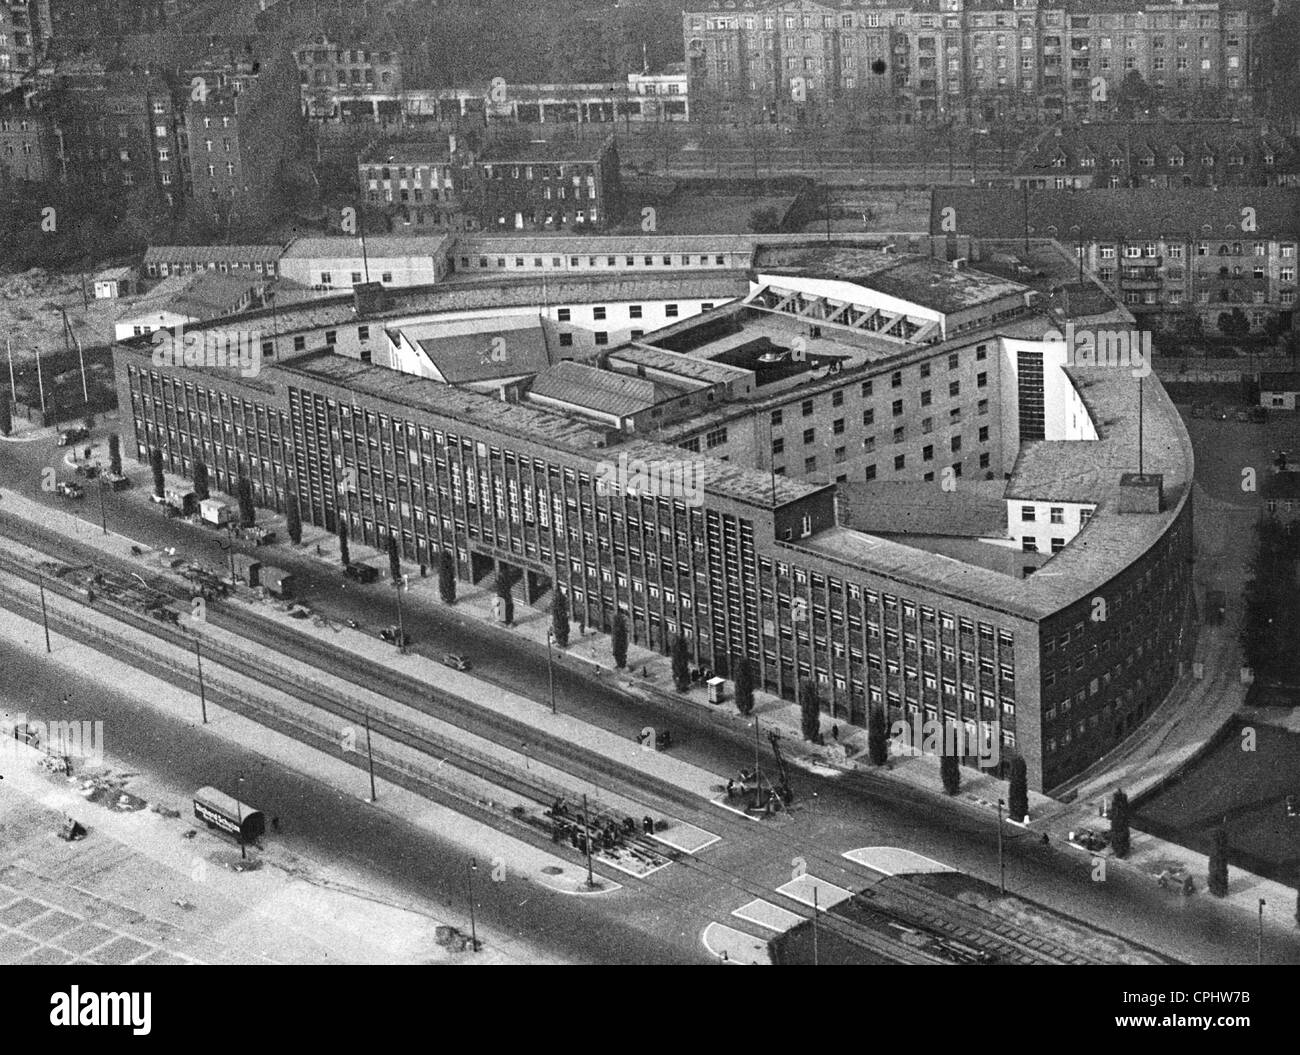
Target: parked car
[(1090, 840), (70, 436), (390, 634), (258, 536), (70, 490), (362, 573), (456, 662)]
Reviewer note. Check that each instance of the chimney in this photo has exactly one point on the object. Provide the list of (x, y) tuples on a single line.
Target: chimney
[(1141, 492)]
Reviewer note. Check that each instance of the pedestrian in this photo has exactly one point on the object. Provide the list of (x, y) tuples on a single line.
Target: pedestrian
[(318, 549), (835, 733), (275, 824)]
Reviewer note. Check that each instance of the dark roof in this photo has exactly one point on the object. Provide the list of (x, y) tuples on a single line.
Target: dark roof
[(977, 509), (166, 254), (1281, 485), (1280, 381), (601, 391), (1122, 214), (466, 357), (1131, 140)]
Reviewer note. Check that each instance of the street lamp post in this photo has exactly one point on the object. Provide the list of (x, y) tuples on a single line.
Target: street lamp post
[(550, 669), (45, 619), (103, 513), (239, 816), (1259, 939), (816, 911), (370, 758), (473, 925), (1002, 865), (401, 623), (586, 839), (203, 698)]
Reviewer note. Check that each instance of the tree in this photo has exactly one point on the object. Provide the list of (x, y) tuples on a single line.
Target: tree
[(618, 641), (6, 414), (950, 774), (201, 488), (156, 464), (681, 663), (1134, 94), (744, 686), (115, 458), (810, 710), (1218, 877), (447, 577), (1119, 823), (877, 744), (394, 560), (560, 618), (1234, 323), (344, 556), (244, 492), (294, 518), (765, 220), (1018, 790), (505, 591)]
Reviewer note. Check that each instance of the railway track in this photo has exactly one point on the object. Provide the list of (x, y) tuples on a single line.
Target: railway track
[(944, 918)]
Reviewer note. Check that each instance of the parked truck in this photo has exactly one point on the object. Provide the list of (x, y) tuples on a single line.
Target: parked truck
[(218, 810), (278, 583), (215, 512), (184, 502)]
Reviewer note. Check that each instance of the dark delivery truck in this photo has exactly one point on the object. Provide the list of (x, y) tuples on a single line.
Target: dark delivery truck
[(216, 809)]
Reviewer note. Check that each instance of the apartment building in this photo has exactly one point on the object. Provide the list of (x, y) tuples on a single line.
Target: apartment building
[(964, 60), (1164, 253)]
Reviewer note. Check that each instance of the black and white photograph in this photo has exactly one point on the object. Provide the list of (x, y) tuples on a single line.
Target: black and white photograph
[(648, 482)]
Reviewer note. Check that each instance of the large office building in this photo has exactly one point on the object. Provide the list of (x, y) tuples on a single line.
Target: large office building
[(974, 539), (939, 60)]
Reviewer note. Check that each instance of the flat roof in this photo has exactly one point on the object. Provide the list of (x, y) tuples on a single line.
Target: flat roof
[(706, 370), (166, 254), (377, 246), (973, 509), (920, 280), (601, 391), (596, 245), (534, 424)]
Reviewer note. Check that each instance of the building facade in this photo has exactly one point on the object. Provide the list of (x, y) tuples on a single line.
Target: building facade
[(24, 35), (242, 124), (754, 565), (940, 60)]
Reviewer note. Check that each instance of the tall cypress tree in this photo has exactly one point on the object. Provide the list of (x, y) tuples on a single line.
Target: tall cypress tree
[(618, 641), (950, 774), (201, 486), (244, 492), (115, 455), (1218, 877), (681, 659), (1018, 791), (810, 709), (156, 464), (560, 618), (293, 518), (394, 560), (877, 744), (447, 577), (1119, 824), (744, 686), (6, 414), (344, 555)]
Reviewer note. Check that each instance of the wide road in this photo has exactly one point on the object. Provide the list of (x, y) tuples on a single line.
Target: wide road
[(861, 809), (322, 824)]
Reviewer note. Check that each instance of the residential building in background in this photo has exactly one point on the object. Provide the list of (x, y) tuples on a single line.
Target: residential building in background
[(923, 60), (242, 123), (420, 185), (334, 75), (1166, 254), (27, 144), (546, 186), (1160, 153), (24, 35)]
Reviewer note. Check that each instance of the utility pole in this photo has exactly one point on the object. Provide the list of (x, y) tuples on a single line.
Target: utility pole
[(815, 912), (45, 619), (1002, 865), (9, 352), (203, 697), (40, 381), (1259, 940), (473, 926), (103, 514), (239, 815), (370, 756), (401, 624)]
